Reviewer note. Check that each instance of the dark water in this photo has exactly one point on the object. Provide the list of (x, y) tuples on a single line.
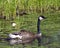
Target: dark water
[(52, 41)]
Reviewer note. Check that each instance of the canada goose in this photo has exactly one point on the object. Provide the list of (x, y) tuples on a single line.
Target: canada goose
[(24, 36)]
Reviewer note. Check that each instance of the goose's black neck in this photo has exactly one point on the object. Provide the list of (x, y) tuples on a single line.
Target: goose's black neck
[(38, 26)]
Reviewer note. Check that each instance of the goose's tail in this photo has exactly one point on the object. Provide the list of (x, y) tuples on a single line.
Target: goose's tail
[(5, 39)]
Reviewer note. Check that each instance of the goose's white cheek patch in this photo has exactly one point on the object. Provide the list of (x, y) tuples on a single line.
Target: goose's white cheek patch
[(40, 18)]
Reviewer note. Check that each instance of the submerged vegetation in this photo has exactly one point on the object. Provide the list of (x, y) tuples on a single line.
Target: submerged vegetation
[(25, 13)]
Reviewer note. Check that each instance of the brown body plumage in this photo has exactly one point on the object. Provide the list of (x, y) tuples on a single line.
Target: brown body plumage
[(25, 37)]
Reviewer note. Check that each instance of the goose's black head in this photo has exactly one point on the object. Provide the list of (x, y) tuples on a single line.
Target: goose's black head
[(41, 17)]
